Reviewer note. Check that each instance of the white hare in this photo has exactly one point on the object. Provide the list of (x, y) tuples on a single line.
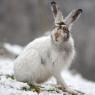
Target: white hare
[(48, 55)]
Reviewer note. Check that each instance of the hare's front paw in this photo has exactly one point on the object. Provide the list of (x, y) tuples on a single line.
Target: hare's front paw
[(69, 90)]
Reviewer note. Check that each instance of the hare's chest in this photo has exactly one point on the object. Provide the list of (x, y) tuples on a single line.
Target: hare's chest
[(61, 60)]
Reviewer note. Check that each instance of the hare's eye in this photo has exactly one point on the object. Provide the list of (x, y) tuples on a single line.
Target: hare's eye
[(65, 29)]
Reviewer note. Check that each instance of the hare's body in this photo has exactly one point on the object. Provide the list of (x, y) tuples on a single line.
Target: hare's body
[(49, 55), (40, 59)]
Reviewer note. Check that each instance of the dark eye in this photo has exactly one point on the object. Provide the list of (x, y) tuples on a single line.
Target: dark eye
[(65, 29)]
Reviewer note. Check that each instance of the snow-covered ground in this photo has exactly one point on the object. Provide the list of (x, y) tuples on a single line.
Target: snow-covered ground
[(9, 86)]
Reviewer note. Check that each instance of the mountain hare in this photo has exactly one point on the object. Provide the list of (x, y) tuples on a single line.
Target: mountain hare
[(48, 55)]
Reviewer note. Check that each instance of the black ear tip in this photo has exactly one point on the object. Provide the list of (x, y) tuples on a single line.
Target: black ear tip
[(53, 2), (80, 10)]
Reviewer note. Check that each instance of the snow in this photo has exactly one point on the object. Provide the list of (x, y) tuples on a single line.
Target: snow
[(80, 84), (9, 86)]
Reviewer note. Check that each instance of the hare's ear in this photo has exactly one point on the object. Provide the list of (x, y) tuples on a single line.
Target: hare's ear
[(58, 17), (72, 17)]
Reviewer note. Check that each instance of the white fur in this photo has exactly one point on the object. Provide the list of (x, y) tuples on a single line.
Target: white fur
[(47, 56), (40, 59)]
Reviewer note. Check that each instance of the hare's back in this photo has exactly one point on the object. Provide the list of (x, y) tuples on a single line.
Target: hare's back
[(39, 43)]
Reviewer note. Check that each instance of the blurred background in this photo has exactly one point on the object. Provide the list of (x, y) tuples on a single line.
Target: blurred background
[(21, 21)]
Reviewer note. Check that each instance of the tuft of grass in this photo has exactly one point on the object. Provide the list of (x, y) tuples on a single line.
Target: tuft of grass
[(34, 87), (26, 88), (10, 76)]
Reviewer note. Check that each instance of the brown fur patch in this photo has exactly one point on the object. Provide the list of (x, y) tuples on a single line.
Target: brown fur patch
[(61, 23), (65, 29), (57, 35)]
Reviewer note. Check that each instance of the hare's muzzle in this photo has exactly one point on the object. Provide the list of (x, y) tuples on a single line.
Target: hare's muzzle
[(64, 31)]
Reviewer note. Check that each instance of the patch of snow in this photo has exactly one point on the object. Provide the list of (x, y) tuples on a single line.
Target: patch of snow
[(10, 91), (79, 83), (6, 66)]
